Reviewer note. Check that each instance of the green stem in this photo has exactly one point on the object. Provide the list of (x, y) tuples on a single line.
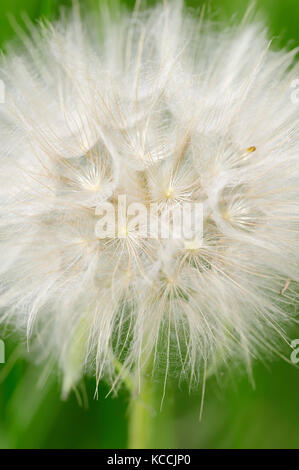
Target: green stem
[(142, 416), (151, 427)]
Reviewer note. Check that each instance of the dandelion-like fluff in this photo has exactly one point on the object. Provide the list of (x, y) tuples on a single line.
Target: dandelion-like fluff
[(164, 108)]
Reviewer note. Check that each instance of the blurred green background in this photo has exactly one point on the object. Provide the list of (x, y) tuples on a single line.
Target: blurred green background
[(235, 415)]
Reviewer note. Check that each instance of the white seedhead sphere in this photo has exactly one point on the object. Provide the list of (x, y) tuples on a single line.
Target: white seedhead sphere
[(158, 107)]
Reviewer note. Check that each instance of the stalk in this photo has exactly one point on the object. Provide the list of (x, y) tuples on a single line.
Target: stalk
[(149, 426)]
